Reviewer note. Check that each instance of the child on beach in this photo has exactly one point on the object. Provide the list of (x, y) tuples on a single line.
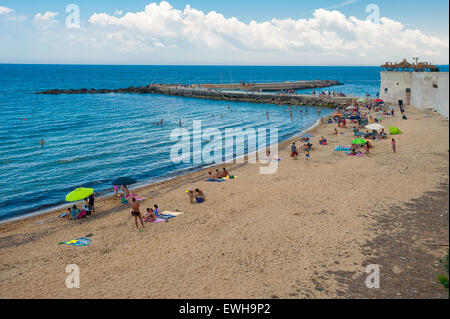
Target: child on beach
[(294, 152), (393, 146), (307, 153)]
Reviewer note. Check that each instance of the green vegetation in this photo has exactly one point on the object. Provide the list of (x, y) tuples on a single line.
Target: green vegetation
[(442, 278)]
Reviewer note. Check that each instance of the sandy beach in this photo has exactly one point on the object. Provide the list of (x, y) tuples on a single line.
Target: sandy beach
[(308, 231)]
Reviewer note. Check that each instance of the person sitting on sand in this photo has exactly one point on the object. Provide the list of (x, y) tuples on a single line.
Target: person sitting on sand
[(86, 207), (335, 131), (323, 141), (126, 191), (149, 216), (225, 173), (69, 213), (136, 212), (211, 177), (219, 174), (294, 152), (75, 212), (199, 195), (157, 211)]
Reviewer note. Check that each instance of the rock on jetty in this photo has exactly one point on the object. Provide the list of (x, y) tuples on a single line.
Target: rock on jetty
[(215, 94)]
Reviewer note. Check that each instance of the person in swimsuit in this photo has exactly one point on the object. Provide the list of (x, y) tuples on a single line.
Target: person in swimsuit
[(219, 174), (393, 146), (149, 216), (135, 212), (91, 202)]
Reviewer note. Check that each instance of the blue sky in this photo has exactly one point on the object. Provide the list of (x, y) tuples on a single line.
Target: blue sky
[(421, 27)]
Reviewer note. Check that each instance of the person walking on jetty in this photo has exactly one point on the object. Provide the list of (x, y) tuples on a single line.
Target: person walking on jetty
[(136, 212)]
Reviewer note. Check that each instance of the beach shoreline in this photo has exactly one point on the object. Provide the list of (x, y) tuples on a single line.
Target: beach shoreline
[(307, 231), (106, 195)]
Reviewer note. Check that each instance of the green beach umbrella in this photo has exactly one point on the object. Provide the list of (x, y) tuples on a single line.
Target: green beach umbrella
[(79, 194), (359, 141), (394, 130)]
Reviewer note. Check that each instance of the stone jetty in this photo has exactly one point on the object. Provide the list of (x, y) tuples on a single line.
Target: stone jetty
[(199, 91)]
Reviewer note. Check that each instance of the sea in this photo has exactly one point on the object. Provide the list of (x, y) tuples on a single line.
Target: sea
[(91, 139)]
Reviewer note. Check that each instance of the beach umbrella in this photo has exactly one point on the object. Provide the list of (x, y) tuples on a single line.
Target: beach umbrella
[(307, 136), (79, 194), (124, 181), (359, 141), (378, 100), (374, 126), (350, 107), (394, 130)]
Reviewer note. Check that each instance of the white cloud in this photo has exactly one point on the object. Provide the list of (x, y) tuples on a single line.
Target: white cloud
[(47, 16), (5, 10), (161, 25), (118, 12)]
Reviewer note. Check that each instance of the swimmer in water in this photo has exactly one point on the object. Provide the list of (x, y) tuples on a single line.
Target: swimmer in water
[(42, 142)]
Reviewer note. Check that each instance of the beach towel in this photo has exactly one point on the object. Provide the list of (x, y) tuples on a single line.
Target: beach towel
[(342, 148), (136, 197), (158, 220), (62, 215), (359, 154), (271, 159), (168, 212), (79, 242), (222, 179)]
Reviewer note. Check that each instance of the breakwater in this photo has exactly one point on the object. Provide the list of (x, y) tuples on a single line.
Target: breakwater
[(216, 94)]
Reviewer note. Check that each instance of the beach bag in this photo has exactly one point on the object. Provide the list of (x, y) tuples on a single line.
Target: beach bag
[(199, 200), (82, 214)]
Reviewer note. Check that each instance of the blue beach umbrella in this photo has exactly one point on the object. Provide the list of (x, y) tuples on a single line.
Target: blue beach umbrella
[(124, 181)]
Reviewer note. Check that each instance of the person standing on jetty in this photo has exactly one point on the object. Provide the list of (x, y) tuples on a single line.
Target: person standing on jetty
[(136, 212)]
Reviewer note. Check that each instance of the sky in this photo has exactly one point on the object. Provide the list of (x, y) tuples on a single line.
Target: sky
[(231, 32)]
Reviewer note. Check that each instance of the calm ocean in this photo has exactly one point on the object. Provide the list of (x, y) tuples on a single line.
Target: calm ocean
[(92, 139)]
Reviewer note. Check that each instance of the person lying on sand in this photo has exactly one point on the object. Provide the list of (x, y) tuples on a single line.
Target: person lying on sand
[(136, 212)]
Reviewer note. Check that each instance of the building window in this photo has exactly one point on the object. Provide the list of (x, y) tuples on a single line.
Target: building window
[(408, 90), (385, 90)]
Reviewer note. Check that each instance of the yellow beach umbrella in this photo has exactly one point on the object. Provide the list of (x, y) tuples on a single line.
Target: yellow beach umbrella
[(79, 194)]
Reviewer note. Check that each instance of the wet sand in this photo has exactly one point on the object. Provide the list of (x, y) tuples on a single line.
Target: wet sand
[(303, 232)]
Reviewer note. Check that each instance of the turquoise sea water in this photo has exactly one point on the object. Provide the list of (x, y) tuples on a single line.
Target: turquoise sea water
[(92, 139)]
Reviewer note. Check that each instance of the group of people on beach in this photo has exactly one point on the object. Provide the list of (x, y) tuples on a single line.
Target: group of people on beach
[(74, 213), (219, 175)]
